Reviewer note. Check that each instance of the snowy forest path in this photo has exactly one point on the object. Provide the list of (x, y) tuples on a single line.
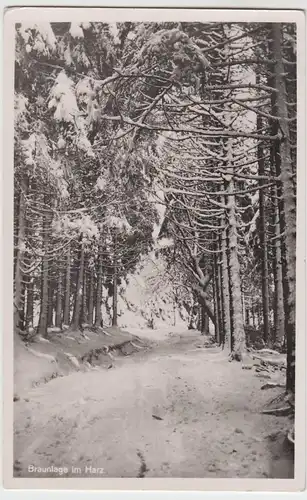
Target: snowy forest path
[(174, 411)]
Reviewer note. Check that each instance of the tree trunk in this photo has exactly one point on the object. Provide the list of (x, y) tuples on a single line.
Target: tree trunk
[(225, 286), (114, 308), (43, 316), (17, 196), (108, 309), (199, 317), (22, 315), (247, 321), (191, 315), (253, 315), (91, 297), (18, 281), (216, 301), (174, 311), (203, 299), (206, 325), (50, 304), (220, 297), (239, 344), (288, 191), (258, 323), (66, 315), (263, 238), (279, 311), (98, 316), (84, 298), (278, 281), (76, 320), (58, 307), (30, 305), (279, 270), (204, 321), (201, 320), (230, 295)]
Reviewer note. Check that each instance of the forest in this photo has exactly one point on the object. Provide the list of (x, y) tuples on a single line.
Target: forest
[(118, 123)]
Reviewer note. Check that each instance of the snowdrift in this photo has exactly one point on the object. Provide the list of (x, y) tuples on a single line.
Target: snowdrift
[(42, 360)]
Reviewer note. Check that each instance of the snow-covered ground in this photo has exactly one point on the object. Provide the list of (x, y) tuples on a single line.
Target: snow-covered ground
[(175, 411)]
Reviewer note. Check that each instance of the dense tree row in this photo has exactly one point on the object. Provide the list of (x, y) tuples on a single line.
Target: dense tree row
[(113, 120)]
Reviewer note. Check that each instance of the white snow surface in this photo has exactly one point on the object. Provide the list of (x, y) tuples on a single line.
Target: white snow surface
[(44, 40)]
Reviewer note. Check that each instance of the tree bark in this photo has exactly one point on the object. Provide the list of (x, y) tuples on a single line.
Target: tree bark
[(247, 321), (43, 317), (216, 301), (204, 326), (203, 299), (17, 196), (98, 316), (30, 305), (18, 281), (22, 315), (84, 298), (50, 305), (279, 268), (288, 192), (191, 315), (220, 298), (58, 307), (239, 344), (76, 320), (263, 238), (225, 286), (279, 311), (114, 307), (66, 315), (253, 315), (91, 297)]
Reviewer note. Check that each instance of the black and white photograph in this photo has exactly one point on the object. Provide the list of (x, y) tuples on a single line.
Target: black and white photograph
[(154, 247)]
